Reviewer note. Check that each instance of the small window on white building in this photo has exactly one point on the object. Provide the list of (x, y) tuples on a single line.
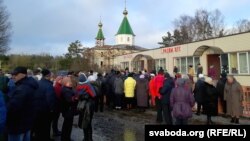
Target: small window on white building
[(224, 63), (128, 39), (249, 61), (243, 68), (183, 65), (178, 63), (160, 63), (233, 66), (196, 62)]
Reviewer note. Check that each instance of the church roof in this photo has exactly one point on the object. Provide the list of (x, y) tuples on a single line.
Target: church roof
[(100, 35), (125, 27)]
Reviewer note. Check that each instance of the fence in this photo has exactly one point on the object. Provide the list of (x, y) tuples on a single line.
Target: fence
[(246, 101)]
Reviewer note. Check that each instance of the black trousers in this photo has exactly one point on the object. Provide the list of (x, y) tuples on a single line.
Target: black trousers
[(224, 105), (55, 121), (167, 114), (158, 103), (99, 103), (118, 100), (42, 126), (88, 132), (110, 99), (199, 107), (67, 128)]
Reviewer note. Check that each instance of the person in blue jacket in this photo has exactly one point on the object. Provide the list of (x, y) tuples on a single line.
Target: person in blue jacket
[(45, 99), (20, 106), (3, 115)]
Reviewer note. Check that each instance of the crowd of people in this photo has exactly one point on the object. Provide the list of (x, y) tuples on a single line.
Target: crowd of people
[(31, 102)]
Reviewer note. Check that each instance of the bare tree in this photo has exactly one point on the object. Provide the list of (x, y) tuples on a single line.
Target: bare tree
[(243, 25), (217, 23), (185, 25), (202, 25), (5, 28)]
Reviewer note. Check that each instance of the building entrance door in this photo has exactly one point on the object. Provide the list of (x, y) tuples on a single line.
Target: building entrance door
[(214, 59)]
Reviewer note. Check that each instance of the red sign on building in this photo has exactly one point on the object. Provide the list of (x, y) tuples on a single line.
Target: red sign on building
[(171, 49)]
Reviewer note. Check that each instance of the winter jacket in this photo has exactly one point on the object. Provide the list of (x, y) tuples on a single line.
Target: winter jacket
[(210, 100), (142, 92), (85, 105), (20, 107), (233, 94), (4, 84), (45, 96), (220, 87), (110, 84), (58, 90), (69, 102), (157, 85), (212, 73), (119, 85), (151, 88), (165, 91), (97, 85), (199, 71), (181, 101), (129, 87), (86, 88), (2, 113), (199, 91)]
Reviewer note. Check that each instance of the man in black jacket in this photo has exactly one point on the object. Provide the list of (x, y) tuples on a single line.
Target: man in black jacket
[(20, 115), (45, 99), (165, 91)]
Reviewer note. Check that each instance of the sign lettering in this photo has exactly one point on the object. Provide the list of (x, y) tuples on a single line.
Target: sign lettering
[(171, 49)]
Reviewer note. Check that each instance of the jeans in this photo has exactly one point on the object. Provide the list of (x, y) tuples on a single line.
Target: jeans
[(19, 137)]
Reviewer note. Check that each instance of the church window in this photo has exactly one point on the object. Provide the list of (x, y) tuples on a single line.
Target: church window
[(128, 39)]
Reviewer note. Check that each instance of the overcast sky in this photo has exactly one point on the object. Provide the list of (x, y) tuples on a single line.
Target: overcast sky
[(49, 26)]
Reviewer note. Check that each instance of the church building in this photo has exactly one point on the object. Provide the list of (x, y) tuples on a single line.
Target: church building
[(102, 55)]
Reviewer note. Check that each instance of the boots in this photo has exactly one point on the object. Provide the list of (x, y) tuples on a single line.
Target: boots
[(232, 120), (88, 135), (209, 120), (237, 120)]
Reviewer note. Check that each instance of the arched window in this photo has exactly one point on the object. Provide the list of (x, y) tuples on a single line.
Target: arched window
[(128, 39)]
